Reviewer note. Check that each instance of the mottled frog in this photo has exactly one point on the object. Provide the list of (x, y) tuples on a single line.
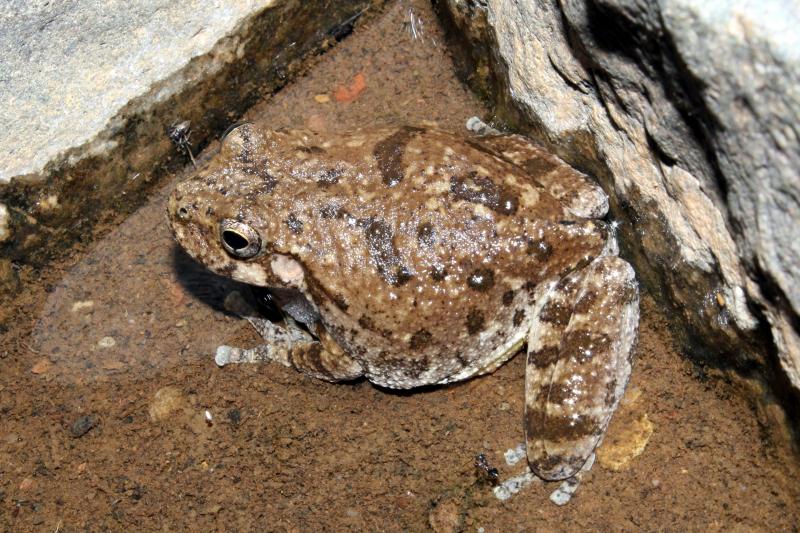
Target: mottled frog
[(415, 256)]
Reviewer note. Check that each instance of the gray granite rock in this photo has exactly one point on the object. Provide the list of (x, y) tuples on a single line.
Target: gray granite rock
[(687, 112), (89, 89)]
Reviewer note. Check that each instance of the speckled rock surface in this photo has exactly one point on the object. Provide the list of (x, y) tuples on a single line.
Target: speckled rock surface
[(687, 113), (89, 88)]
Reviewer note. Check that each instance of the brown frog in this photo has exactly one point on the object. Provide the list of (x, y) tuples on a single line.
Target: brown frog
[(415, 257)]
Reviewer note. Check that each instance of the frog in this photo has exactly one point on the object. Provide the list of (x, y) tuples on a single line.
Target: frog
[(412, 256)]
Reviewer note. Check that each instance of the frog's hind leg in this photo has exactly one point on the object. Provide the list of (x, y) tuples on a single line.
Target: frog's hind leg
[(582, 196), (579, 362), (289, 346)]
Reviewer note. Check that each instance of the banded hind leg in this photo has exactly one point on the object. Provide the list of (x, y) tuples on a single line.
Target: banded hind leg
[(292, 346), (579, 362)]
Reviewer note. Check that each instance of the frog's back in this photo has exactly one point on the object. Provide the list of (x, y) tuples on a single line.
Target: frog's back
[(422, 249)]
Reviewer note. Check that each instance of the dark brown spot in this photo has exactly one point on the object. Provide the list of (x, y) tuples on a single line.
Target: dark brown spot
[(475, 321), (538, 166), (295, 224), (366, 322), (402, 276), (438, 273), (311, 149), (584, 345), (380, 241), (560, 393), (461, 359), (540, 249), (329, 177), (426, 234), (530, 287), (420, 339), (519, 316), (544, 465), (508, 297), (481, 279), (569, 427), (389, 154), (267, 180), (482, 190), (611, 392), (555, 313), (544, 357), (586, 302), (227, 270), (340, 302)]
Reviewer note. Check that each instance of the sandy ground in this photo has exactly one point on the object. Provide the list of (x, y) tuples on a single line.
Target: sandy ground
[(108, 373)]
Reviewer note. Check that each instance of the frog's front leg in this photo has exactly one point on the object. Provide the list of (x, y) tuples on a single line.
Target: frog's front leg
[(289, 346), (579, 362)]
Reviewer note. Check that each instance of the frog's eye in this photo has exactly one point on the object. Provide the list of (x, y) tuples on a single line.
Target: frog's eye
[(239, 239)]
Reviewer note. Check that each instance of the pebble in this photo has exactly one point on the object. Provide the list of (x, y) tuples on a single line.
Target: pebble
[(82, 425), (322, 98), (27, 484), (621, 447), (84, 305), (106, 342), (42, 366), (166, 401)]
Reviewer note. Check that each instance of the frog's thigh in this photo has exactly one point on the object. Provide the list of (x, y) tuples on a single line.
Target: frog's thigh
[(324, 360), (581, 195), (579, 361)]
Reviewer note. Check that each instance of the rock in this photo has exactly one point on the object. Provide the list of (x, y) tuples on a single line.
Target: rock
[(687, 114), (82, 425), (621, 447), (86, 100), (166, 401), (42, 366), (27, 484)]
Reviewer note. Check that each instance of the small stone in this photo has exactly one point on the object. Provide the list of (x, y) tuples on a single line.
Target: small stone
[(504, 406), (84, 305), (166, 401), (81, 468), (107, 342), (113, 365), (322, 98), (82, 425), (27, 484), (180, 323), (42, 366), (621, 447)]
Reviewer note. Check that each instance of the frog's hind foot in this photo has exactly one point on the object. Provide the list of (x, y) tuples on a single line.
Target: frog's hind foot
[(563, 494), (579, 362)]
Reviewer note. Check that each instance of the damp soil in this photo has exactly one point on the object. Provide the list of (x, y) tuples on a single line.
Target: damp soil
[(114, 416)]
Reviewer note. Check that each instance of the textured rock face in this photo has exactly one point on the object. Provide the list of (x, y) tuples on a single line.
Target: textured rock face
[(687, 112), (89, 88)]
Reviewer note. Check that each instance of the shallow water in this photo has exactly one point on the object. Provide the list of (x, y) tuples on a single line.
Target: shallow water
[(283, 452)]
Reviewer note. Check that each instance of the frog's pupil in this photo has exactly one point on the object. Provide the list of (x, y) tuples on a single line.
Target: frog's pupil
[(235, 241)]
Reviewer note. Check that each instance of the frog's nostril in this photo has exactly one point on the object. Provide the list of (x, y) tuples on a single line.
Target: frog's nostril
[(183, 213)]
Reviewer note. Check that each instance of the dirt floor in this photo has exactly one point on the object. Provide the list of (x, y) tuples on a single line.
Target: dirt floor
[(108, 373)]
